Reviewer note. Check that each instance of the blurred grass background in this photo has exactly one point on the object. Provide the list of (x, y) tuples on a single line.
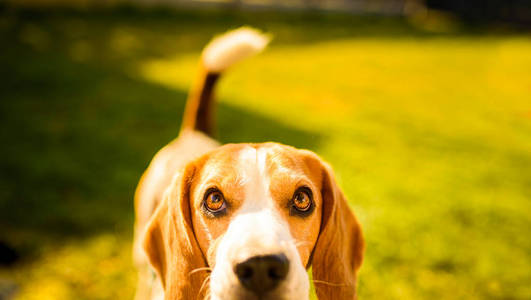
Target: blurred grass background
[(426, 123)]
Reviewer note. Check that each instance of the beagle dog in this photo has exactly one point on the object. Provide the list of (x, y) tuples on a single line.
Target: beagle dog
[(240, 221)]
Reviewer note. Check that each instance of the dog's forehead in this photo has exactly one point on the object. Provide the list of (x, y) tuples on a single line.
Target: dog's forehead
[(266, 158)]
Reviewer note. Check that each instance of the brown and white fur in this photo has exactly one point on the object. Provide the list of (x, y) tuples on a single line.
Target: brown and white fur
[(184, 251)]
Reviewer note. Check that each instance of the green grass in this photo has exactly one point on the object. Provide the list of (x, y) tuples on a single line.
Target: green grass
[(429, 134)]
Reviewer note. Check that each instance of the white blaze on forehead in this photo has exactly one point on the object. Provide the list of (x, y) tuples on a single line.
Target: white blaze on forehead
[(258, 222), (253, 166)]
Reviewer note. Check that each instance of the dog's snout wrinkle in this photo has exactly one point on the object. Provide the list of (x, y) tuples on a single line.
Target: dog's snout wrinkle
[(262, 274)]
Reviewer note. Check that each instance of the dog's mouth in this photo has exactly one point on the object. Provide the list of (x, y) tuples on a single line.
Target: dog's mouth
[(263, 297), (271, 295)]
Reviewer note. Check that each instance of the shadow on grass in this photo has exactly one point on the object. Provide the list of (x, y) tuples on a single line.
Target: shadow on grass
[(76, 138), (159, 31)]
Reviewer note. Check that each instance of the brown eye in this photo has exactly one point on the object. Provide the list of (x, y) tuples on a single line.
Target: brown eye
[(214, 201), (302, 200)]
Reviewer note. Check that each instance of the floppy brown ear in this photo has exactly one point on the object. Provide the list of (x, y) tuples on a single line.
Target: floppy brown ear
[(339, 250), (171, 245)]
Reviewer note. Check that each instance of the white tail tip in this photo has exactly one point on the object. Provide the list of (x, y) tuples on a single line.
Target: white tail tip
[(233, 46)]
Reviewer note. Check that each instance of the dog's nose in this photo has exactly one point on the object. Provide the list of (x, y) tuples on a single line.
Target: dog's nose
[(261, 274)]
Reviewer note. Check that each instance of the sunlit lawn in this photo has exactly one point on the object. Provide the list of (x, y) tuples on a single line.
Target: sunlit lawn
[(429, 134)]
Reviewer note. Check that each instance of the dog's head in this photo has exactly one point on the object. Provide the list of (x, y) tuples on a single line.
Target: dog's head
[(245, 222)]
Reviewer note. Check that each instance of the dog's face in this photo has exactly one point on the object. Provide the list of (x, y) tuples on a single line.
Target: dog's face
[(255, 216)]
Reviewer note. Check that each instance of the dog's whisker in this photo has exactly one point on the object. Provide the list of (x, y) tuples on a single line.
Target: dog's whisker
[(200, 269), (203, 285), (327, 283)]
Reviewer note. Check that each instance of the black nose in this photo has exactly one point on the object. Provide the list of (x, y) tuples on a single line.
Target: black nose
[(261, 274)]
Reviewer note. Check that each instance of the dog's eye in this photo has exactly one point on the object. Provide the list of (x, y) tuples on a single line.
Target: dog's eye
[(214, 201), (302, 203)]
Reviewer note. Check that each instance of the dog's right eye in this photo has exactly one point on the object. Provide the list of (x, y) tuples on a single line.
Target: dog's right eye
[(214, 202)]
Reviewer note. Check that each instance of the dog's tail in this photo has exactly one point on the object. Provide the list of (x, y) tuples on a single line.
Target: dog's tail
[(221, 53)]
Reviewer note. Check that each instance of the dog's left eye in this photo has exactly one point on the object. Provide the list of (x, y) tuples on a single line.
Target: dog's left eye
[(302, 202), (214, 201)]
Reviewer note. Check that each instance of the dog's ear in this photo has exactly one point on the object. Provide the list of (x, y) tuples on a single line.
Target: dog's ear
[(170, 242), (338, 252)]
